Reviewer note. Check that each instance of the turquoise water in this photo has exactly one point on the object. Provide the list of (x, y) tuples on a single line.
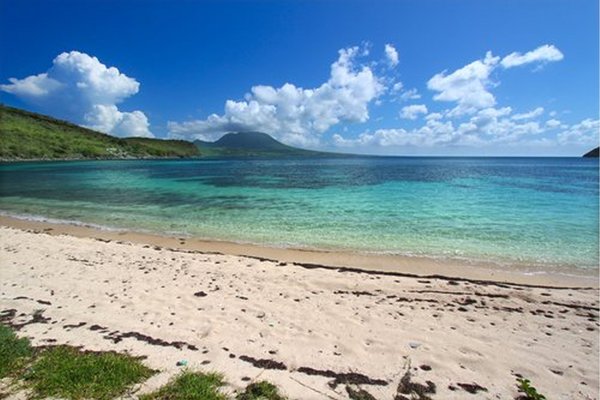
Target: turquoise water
[(540, 212)]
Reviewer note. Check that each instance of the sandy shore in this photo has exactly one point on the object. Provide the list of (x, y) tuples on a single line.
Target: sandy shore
[(308, 329), (389, 264)]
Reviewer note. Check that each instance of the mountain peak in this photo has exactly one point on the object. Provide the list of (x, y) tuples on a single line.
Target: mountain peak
[(255, 144), (250, 141)]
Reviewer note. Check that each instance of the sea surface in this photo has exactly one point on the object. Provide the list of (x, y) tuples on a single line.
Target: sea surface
[(541, 213)]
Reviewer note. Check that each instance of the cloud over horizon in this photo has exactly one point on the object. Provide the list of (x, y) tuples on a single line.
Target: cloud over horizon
[(474, 120), (79, 87), (293, 114)]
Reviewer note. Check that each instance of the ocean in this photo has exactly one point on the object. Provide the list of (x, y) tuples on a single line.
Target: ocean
[(536, 213)]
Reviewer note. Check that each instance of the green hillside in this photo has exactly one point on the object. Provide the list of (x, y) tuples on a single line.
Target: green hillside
[(25, 135)]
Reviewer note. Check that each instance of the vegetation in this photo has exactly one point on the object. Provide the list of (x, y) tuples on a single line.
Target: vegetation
[(66, 372), (190, 386), (14, 352), (69, 373), (25, 135), (530, 392), (262, 390)]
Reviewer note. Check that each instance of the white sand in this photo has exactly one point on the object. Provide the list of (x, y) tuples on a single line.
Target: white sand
[(465, 332)]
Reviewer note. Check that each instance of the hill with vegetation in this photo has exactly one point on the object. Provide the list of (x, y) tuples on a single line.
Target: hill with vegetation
[(254, 144), (26, 136)]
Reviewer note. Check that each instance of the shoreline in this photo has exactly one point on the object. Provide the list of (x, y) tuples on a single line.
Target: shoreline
[(345, 261)]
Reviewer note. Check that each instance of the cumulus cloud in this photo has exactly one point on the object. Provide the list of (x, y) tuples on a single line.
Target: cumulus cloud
[(584, 133), (470, 85), (489, 126), (528, 115), (79, 87), (31, 88), (475, 120), (413, 111), (411, 94), (553, 123), (294, 114), (543, 54), (433, 132), (391, 54)]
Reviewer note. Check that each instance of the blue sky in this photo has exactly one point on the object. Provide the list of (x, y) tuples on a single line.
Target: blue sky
[(458, 77)]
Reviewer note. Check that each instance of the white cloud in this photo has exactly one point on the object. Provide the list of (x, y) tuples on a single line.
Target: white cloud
[(411, 94), (79, 87), (391, 54), (468, 86), (528, 115), (434, 116), (475, 121), (584, 133), (543, 54), (293, 114), (553, 123), (487, 127), (413, 111), (32, 87), (432, 133), (108, 118), (397, 87)]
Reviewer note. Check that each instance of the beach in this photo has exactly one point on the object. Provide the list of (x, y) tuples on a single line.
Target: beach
[(313, 323)]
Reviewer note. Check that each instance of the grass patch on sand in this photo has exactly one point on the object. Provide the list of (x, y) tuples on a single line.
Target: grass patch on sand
[(190, 386), (14, 352), (68, 373), (260, 391)]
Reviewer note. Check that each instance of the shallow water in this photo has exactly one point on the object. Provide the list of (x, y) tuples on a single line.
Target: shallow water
[(541, 212)]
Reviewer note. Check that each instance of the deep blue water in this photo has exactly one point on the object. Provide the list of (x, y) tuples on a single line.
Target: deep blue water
[(541, 212)]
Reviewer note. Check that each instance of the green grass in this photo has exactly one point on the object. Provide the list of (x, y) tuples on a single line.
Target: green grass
[(14, 352), (260, 391), (190, 386), (27, 135), (68, 373), (528, 390)]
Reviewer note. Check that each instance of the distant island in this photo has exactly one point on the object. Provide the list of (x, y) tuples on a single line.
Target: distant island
[(592, 153), (254, 144), (26, 135)]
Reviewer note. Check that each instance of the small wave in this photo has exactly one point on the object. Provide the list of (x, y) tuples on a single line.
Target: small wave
[(40, 218)]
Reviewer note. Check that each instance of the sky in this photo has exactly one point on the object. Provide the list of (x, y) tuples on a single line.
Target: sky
[(405, 77)]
